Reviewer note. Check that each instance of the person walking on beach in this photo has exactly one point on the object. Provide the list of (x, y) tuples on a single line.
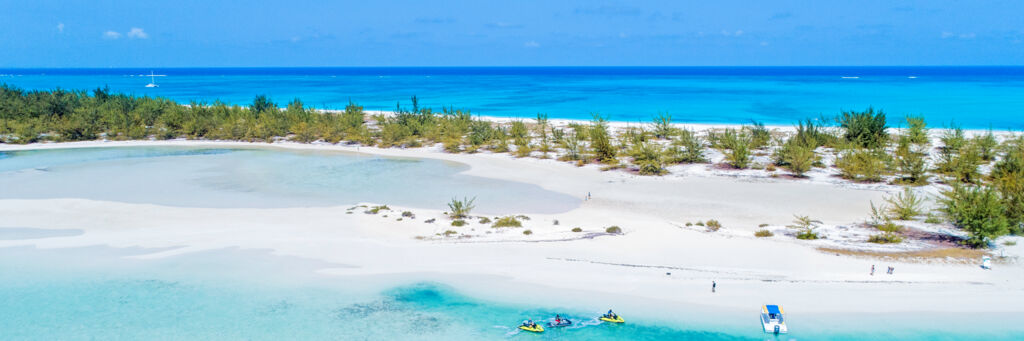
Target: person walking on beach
[(872, 269), (713, 286)]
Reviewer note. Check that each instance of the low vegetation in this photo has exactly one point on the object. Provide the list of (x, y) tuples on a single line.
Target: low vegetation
[(577, 229), (805, 227), (762, 233), (508, 221), (459, 209), (613, 229)]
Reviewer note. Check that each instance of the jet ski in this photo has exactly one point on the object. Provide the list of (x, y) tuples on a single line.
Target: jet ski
[(612, 318), (563, 323)]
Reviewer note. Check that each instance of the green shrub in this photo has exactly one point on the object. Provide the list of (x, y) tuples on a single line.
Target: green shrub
[(687, 148), (713, 225), (600, 140), (508, 221), (866, 165), (461, 208), (450, 233), (905, 205), (408, 214), (649, 156), (458, 223), (736, 147), (917, 130), (986, 145), (978, 210), (662, 126), (910, 162), (932, 219), (890, 233), (798, 158), (700, 223), (613, 229), (759, 135), (577, 229), (527, 232), (1007, 177), (762, 225), (885, 239), (1010, 243), (805, 226), (484, 220), (377, 209), (865, 128), (763, 233)]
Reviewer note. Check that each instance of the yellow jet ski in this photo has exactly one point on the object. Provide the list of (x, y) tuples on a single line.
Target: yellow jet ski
[(612, 318), (536, 328)]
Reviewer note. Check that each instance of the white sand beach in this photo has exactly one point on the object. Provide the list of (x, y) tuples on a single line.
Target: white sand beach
[(658, 264)]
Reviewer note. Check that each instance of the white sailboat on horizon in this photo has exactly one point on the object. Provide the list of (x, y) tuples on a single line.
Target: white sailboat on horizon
[(152, 82)]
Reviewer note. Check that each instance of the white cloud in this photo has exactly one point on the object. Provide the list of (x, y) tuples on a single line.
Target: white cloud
[(111, 35), (531, 44), (764, 43), (735, 33), (138, 33), (947, 35), (60, 27), (967, 36)]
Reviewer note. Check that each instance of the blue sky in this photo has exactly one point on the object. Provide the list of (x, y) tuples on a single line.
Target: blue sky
[(184, 33)]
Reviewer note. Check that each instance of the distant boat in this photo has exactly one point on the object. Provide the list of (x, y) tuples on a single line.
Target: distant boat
[(850, 77), (912, 77), (772, 320), (152, 82)]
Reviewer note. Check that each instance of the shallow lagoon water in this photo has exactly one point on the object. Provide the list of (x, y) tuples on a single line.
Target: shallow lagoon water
[(259, 177), (102, 293)]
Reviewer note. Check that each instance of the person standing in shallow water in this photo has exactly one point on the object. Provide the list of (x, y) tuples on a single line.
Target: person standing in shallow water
[(714, 285)]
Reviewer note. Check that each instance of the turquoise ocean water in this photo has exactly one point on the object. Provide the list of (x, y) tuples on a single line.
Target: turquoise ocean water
[(974, 97)]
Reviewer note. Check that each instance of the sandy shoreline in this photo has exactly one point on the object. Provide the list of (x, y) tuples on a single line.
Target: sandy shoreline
[(651, 210)]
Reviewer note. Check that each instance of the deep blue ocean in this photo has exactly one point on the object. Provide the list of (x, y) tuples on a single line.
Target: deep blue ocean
[(971, 97)]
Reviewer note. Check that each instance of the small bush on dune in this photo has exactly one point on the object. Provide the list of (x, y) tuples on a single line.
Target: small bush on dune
[(450, 233), (577, 229), (860, 164), (613, 229), (866, 128), (917, 130), (978, 210), (736, 147), (687, 148), (763, 233), (805, 226), (484, 220), (508, 221), (890, 233), (662, 126), (527, 232), (458, 223), (905, 205), (759, 134), (460, 208), (713, 225)]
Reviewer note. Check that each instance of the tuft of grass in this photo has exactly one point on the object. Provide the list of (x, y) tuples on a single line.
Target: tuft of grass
[(1010, 243), (885, 238), (577, 229), (460, 208), (408, 214), (377, 209), (689, 224), (699, 223), (932, 219), (613, 229), (508, 221), (527, 232), (762, 225), (484, 220), (763, 233), (458, 222), (806, 225), (450, 233), (713, 225)]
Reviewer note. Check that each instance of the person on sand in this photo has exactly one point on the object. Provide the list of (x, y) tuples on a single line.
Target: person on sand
[(713, 286), (872, 269)]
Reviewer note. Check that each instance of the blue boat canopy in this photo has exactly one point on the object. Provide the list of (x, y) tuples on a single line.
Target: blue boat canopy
[(773, 309)]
